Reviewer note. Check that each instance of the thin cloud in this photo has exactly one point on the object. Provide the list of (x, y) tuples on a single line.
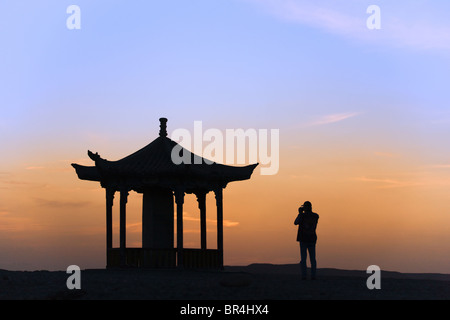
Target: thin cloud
[(389, 183), (134, 227), (333, 118), (440, 166), (59, 204), (226, 223), (15, 182), (34, 168), (313, 14), (400, 25), (14, 224), (386, 154)]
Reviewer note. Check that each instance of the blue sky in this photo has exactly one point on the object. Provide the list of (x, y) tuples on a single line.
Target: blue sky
[(217, 60), (188, 44)]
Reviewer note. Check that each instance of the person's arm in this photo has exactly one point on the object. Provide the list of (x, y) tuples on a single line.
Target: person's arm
[(297, 220)]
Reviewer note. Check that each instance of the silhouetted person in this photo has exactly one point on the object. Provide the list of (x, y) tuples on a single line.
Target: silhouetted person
[(306, 235)]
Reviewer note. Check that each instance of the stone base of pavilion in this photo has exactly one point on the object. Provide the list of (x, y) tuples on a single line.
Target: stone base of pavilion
[(164, 258)]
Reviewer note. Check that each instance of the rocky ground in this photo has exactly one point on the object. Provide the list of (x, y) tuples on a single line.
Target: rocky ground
[(254, 282)]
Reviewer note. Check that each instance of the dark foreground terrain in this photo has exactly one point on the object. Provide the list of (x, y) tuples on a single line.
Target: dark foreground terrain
[(254, 282)]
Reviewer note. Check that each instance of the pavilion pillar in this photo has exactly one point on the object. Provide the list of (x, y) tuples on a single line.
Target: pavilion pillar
[(179, 199), (157, 219), (201, 198), (109, 233), (219, 203), (123, 226)]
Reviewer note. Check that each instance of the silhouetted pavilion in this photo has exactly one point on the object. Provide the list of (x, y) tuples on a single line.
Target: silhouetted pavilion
[(152, 172)]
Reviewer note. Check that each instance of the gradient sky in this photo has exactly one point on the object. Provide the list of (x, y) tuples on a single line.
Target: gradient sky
[(364, 120)]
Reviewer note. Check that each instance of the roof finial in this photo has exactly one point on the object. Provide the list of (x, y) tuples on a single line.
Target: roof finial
[(163, 127)]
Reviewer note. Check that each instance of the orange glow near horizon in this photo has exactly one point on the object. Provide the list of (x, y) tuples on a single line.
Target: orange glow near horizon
[(374, 208)]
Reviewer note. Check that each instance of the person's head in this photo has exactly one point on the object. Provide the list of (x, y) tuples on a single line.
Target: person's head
[(307, 207)]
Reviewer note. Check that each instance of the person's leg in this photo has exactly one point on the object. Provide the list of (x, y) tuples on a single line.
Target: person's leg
[(303, 256), (312, 258)]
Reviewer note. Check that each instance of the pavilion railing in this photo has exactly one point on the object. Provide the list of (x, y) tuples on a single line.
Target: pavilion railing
[(201, 258), (163, 258)]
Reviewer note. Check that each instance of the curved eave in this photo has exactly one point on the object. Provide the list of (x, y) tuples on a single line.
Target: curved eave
[(87, 173), (247, 171), (231, 173)]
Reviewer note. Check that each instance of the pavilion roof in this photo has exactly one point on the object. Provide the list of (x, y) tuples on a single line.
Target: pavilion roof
[(152, 166)]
